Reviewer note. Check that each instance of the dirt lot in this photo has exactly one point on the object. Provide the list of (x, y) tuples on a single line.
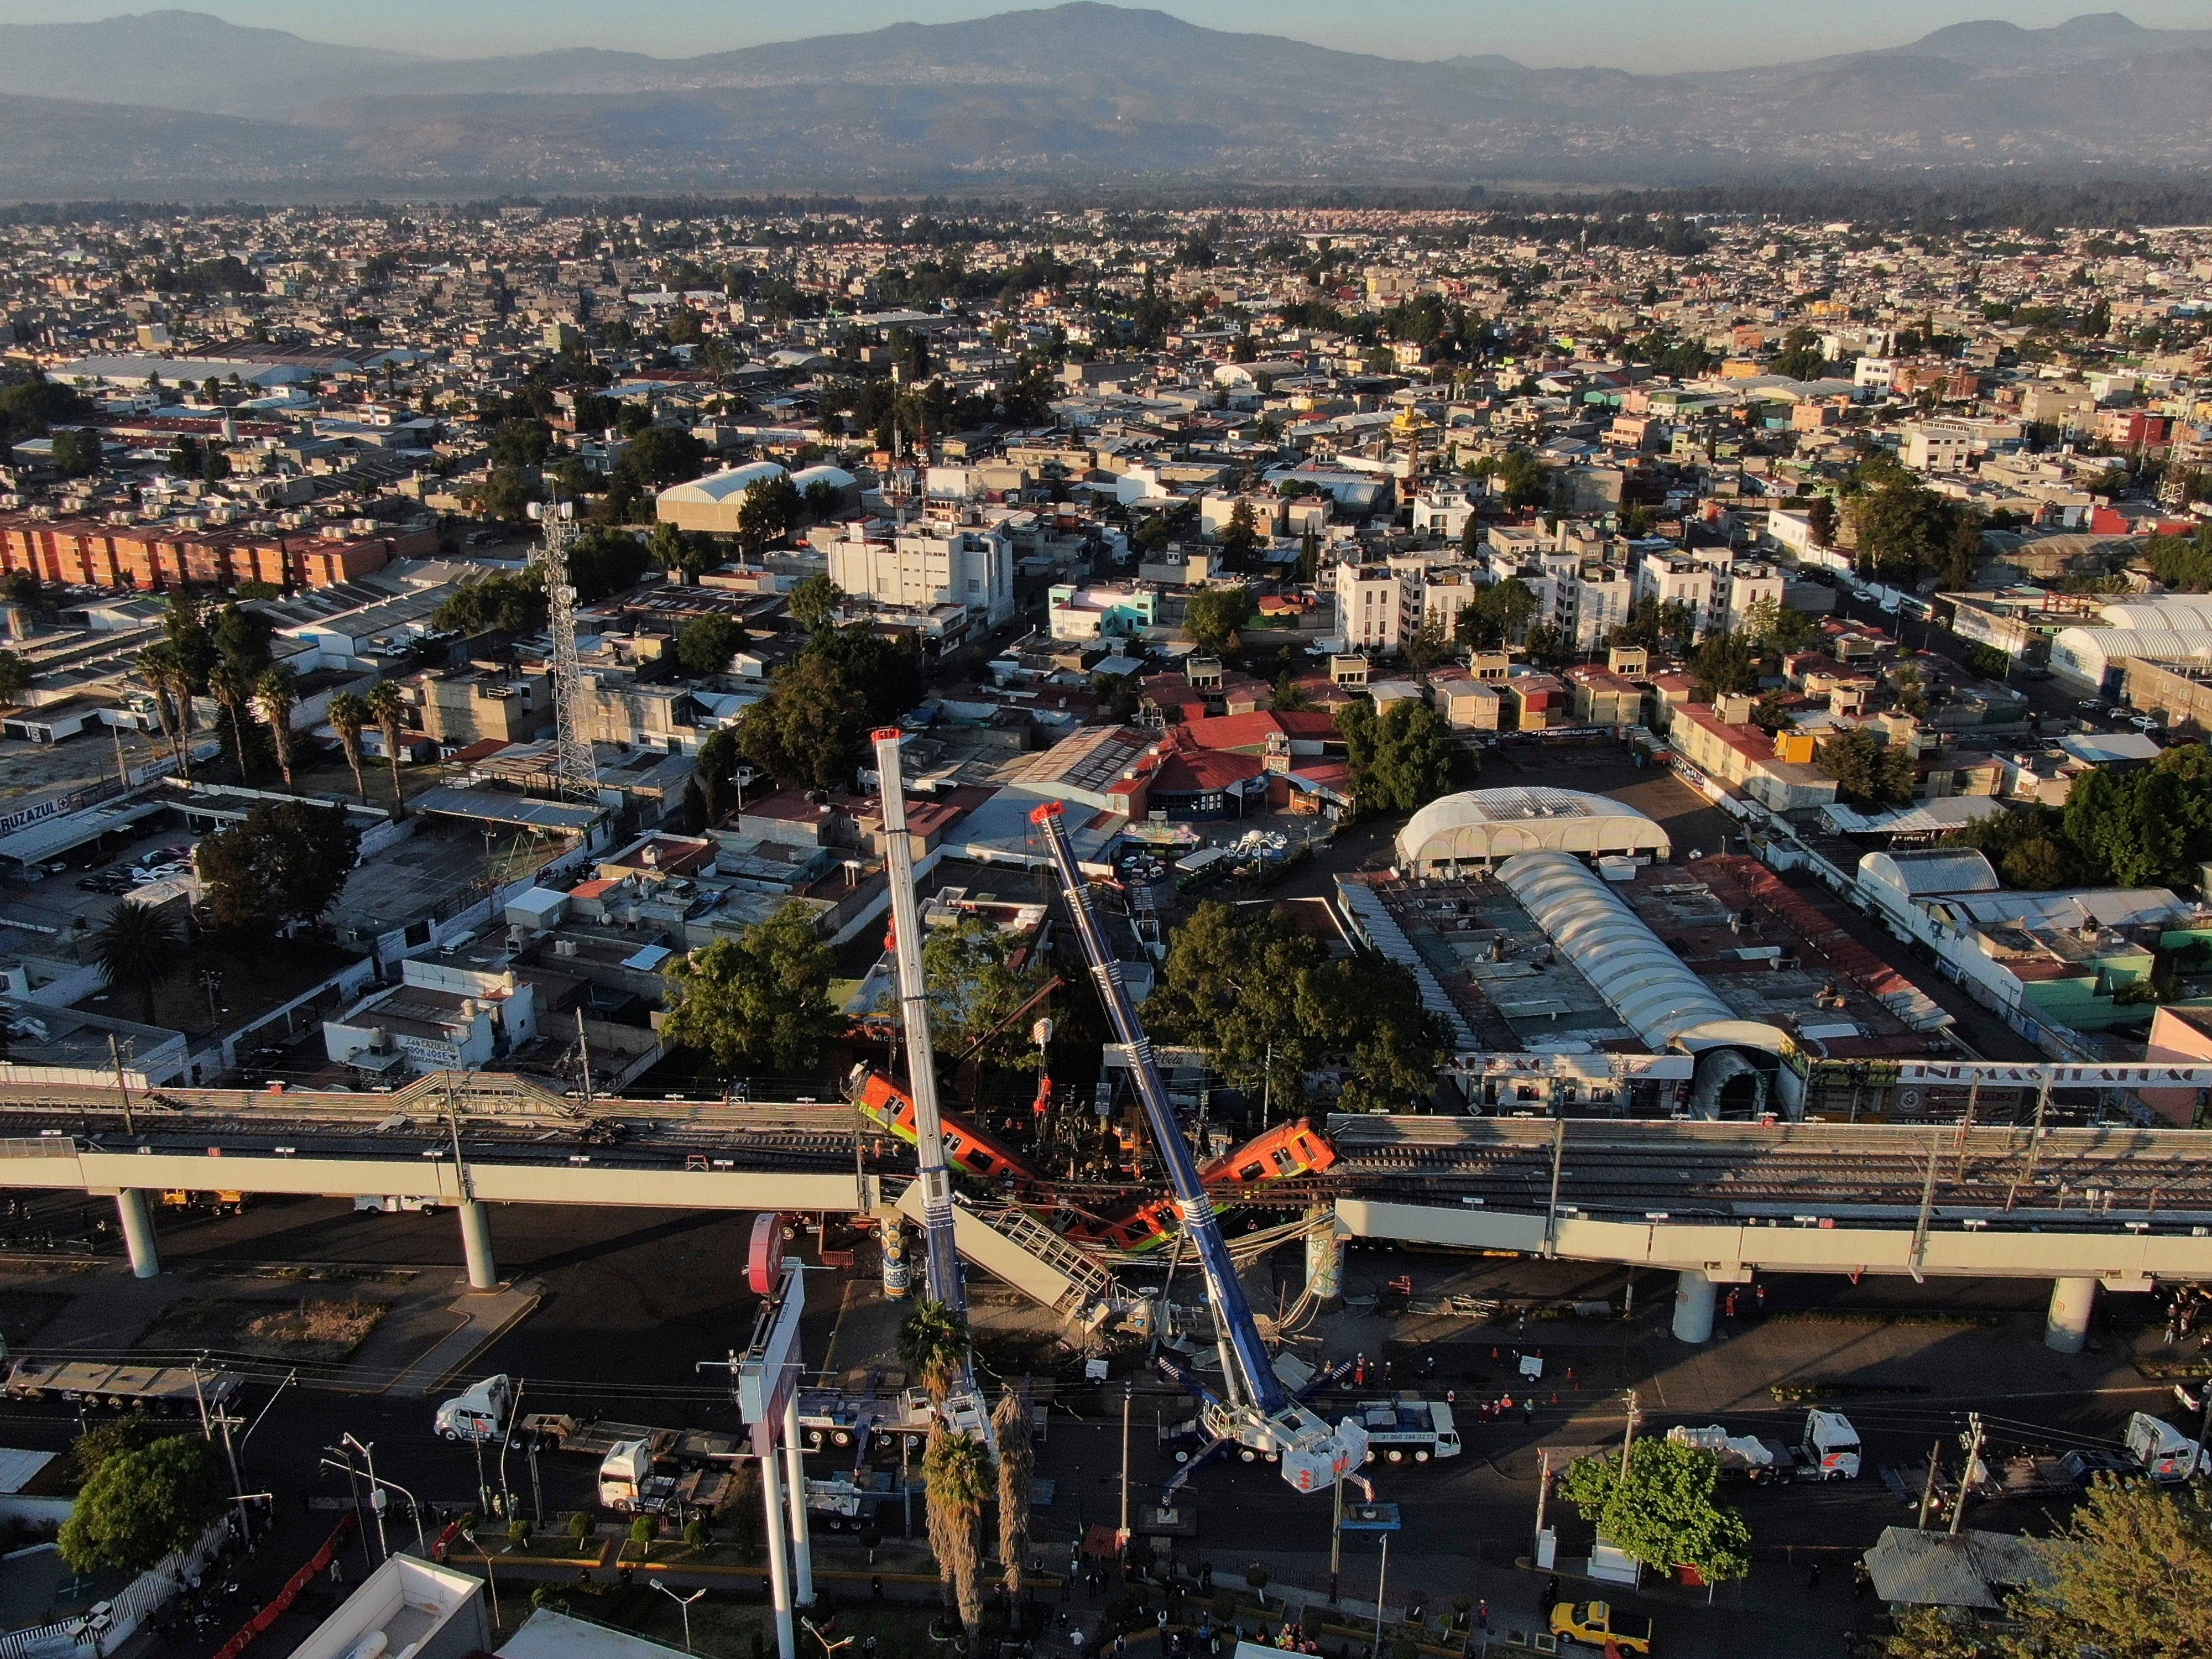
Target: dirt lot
[(312, 1328)]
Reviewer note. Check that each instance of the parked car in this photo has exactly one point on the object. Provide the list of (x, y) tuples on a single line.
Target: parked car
[(1599, 1623)]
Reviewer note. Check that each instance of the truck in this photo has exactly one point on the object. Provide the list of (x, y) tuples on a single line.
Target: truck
[(2165, 1454), (479, 1413), (1830, 1448), (848, 1503), (1408, 1428), (599, 1437), (1742, 1456), (634, 1480), (164, 1389)]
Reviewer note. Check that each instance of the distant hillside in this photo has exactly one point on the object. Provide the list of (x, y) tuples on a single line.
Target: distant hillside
[(1079, 93)]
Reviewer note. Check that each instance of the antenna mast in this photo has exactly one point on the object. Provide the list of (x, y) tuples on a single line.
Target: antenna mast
[(575, 774)]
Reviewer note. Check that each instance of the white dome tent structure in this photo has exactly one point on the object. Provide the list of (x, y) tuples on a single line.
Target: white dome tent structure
[(711, 503), (1479, 829)]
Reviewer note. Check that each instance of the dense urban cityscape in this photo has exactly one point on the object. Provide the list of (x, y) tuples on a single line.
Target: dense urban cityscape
[(883, 902)]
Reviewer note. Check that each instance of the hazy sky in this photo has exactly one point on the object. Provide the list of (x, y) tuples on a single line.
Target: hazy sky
[(1637, 34)]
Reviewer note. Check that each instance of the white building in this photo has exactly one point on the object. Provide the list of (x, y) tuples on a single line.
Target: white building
[(1747, 583), (1593, 602), (712, 503), (438, 1017), (1936, 448), (917, 565), (1678, 581)]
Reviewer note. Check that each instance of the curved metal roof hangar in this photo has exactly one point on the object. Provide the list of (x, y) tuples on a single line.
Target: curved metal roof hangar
[(1646, 983), (1482, 826)]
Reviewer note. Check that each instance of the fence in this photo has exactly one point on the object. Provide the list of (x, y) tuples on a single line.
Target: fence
[(111, 1623)]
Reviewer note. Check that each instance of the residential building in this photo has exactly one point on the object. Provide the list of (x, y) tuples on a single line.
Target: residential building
[(913, 566)]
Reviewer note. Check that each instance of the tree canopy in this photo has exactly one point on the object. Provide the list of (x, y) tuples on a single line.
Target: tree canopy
[(974, 985), (284, 862), (2146, 829), (1496, 615), (814, 603), (1403, 757), (1663, 1511), (761, 1001), (1214, 614), (707, 644), (1867, 770), (2131, 1578), (806, 732), (139, 1505), (1268, 1005)]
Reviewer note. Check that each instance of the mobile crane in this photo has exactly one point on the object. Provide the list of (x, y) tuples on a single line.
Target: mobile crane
[(964, 1412), (1255, 1410)]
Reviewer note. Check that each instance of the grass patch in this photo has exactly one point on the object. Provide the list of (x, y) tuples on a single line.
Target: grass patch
[(325, 1329)]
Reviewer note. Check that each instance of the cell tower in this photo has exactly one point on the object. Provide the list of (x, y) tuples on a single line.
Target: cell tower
[(575, 772)]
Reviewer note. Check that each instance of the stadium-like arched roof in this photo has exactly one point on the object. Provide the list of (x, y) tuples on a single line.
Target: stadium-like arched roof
[(1482, 827), (1642, 980)]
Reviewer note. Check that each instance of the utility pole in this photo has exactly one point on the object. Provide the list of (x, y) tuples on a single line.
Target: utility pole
[(1558, 1157), (1628, 1440), (584, 1068), (1128, 1394), (1336, 1533), (1973, 1439), (1928, 1489)]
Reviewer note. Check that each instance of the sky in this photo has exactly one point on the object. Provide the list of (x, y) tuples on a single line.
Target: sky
[(1648, 35)]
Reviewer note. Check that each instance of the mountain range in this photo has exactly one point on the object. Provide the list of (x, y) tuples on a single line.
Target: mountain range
[(178, 103)]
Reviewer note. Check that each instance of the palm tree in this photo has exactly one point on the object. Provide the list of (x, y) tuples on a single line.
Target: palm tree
[(956, 1478), (384, 705), (136, 946), (230, 685), (1010, 1425), (274, 698), (933, 1344), (348, 714), (156, 664)]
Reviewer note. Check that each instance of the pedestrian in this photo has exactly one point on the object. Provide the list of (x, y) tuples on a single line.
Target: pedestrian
[(1551, 1595), (1813, 1576), (1075, 1640), (1428, 1365), (1482, 1615), (1729, 1306), (1759, 1293), (1528, 1409)]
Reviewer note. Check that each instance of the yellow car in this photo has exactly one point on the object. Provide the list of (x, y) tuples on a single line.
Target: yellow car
[(1599, 1622)]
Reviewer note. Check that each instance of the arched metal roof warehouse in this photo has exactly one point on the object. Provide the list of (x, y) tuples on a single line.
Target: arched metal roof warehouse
[(1644, 983), (1482, 827)]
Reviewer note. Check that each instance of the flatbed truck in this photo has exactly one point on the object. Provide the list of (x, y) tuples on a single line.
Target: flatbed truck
[(162, 1389)]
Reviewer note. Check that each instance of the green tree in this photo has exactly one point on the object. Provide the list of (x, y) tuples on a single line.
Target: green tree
[(103, 1440), (2144, 829), (2131, 1578), (275, 696), (716, 768), (707, 644), (884, 669), (349, 717), (955, 1473), (1906, 530), (1212, 614), (1427, 645), (1866, 770), (1725, 663), (1310, 557), (1288, 697), (1662, 1511), (139, 1506), (1403, 758), (501, 602), (284, 862), (932, 1346), (1240, 535), (665, 455), (606, 562), (758, 1002), (137, 946), (521, 443), (1010, 1425), (1778, 629), (1801, 357), (14, 677), (974, 986), (1822, 518), (1369, 1010), (232, 687), (815, 602), (689, 556), (768, 513), (1940, 1633), (1499, 615), (2183, 563), (386, 707), (77, 452), (806, 732)]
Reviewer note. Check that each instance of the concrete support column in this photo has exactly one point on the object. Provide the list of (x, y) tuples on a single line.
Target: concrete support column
[(1324, 1259), (138, 1232), (476, 1245), (1693, 1307), (2066, 1329), (794, 1475)]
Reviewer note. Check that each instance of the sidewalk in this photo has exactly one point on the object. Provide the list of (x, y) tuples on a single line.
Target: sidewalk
[(485, 1316)]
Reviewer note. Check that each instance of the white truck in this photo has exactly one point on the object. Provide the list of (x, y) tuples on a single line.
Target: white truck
[(479, 1414), (2166, 1455), (1408, 1428), (633, 1481), (1830, 1447), (1743, 1455)]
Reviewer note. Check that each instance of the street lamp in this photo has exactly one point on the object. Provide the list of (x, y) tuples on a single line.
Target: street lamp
[(491, 1579), (684, 1603), (368, 1455)]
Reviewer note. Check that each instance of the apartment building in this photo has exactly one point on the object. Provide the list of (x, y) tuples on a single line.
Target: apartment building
[(915, 567)]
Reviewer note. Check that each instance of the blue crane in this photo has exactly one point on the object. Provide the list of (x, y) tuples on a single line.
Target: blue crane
[(1253, 1410)]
